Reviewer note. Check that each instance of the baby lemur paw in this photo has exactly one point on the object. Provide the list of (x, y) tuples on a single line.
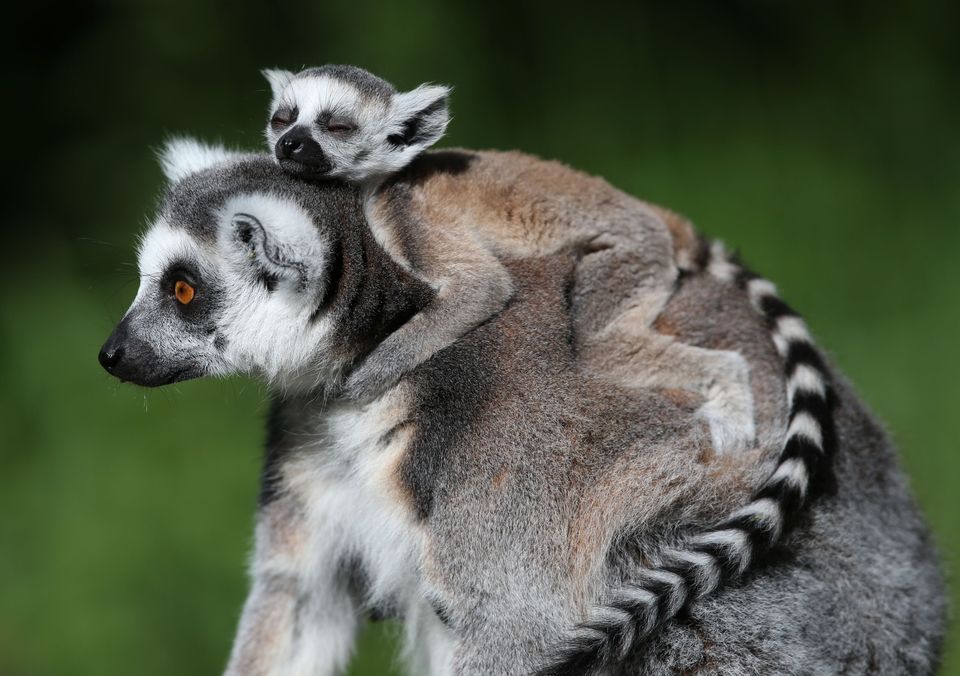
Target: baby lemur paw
[(729, 407), (379, 371), (730, 430), (366, 383)]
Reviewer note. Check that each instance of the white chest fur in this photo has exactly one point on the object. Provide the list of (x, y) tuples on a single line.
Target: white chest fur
[(354, 513)]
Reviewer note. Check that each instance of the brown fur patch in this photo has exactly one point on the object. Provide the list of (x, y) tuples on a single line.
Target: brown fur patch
[(686, 240), (681, 398), (666, 325)]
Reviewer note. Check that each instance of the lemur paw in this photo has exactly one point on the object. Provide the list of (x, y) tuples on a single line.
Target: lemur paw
[(366, 383), (730, 431), (379, 371), (729, 408)]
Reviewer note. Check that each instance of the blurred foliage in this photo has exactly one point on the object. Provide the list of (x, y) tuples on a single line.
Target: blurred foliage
[(822, 139)]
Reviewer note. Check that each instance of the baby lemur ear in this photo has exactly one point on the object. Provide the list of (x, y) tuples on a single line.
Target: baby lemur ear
[(181, 156), (421, 117), (278, 80)]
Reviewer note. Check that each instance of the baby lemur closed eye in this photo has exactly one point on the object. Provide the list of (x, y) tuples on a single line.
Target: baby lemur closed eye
[(344, 122)]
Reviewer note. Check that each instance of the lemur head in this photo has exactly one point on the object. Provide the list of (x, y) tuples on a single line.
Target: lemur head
[(246, 269), (344, 122)]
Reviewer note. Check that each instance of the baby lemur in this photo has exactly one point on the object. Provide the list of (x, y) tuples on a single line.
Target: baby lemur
[(344, 122)]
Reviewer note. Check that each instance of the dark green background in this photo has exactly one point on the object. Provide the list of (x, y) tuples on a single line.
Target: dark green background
[(823, 141)]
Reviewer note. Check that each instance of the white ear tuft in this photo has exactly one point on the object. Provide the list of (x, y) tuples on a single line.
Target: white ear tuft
[(422, 114), (278, 80), (182, 156)]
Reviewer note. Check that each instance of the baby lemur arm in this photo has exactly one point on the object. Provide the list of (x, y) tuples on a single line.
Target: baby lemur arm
[(449, 224), (299, 618), (471, 284)]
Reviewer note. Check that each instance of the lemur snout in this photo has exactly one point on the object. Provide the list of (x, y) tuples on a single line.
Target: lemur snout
[(298, 145), (133, 360)]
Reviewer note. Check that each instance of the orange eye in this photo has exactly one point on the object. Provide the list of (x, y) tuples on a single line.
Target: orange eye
[(183, 291)]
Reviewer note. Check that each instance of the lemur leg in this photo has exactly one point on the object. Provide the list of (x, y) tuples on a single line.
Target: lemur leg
[(616, 341), (473, 290), (299, 618), (607, 264), (635, 356)]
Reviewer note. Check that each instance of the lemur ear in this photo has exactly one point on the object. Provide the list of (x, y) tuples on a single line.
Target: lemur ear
[(421, 116), (179, 157), (278, 80), (269, 258), (281, 246)]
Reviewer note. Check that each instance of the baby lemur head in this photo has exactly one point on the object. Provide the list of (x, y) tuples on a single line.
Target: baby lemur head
[(247, 269), (344, 122)]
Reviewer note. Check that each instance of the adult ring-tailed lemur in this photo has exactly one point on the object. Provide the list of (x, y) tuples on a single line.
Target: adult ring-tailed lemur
[(536, 470)]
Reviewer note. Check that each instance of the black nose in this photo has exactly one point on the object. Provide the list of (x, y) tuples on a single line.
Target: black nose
[(110, 356), (299, 147), (290, 147)]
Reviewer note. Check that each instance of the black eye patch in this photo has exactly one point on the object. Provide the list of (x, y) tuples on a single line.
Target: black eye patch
[(283, 117), (179, 271), (335, 123), (197, 304)]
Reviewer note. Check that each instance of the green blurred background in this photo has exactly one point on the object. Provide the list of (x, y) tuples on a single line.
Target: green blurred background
[(823, 140)]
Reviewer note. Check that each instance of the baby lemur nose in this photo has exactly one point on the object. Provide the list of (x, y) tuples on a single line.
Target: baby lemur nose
[(289, 146), (298, 145)]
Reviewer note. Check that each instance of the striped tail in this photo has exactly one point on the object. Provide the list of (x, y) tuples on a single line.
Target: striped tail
[(707, 560)]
